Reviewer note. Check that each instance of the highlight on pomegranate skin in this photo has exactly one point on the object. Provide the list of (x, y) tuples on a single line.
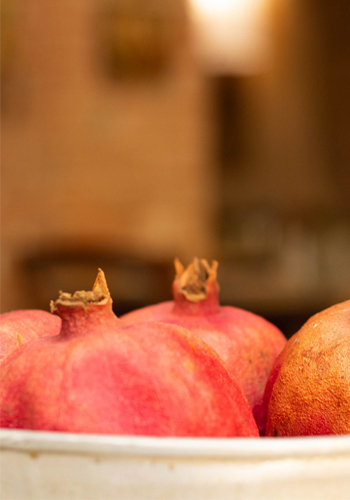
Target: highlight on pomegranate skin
[(21, 326), (247, 343), (308, 392), (99, 376)]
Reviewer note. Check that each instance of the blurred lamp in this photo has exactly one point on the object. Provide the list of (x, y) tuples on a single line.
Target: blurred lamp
[(230, 36)]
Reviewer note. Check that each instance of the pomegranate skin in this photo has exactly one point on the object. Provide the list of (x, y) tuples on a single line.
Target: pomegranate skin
[(309, 393), (247, 343), (19, 327), (97, 376)]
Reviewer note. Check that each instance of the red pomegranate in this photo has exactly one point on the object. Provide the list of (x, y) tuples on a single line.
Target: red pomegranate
[(308, 391), (97, 376), (18, 327), (246, 342)]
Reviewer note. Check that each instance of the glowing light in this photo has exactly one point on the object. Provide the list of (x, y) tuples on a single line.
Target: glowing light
[(230, 35), (221, 6)]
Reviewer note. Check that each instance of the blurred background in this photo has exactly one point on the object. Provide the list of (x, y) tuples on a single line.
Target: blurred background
[(135, 132)]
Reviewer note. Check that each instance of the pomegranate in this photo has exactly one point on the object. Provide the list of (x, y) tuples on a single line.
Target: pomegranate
[(98, 376), (246, 342), (271, 381), (18, 327), (308, 392)]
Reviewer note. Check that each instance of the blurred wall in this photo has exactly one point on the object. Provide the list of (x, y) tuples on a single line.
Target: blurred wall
[(91, 160), (111, 135)]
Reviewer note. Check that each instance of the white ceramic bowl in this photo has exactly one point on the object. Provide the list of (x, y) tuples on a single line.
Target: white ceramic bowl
[(61, 466)]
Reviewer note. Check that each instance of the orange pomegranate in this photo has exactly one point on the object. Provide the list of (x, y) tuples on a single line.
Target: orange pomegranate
[(308, 392)]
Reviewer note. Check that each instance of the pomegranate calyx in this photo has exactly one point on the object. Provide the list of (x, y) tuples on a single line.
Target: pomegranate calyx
[(193, 282), (98, 295)]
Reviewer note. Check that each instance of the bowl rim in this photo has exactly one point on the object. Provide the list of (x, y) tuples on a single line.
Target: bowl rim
[(185, 447)]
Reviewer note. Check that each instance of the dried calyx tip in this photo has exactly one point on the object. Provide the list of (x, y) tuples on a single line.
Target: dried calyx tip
[(179, 268), (99, 293), (100, 285), (194, 279)]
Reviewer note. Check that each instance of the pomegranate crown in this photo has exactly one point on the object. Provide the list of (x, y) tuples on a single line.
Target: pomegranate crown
[(196, 280), (98, 295)]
